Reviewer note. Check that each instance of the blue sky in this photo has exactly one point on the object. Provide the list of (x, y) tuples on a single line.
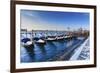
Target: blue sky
[(53, 20)]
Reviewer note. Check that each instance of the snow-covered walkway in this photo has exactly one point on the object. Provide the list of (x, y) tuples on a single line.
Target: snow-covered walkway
[(82, 52)]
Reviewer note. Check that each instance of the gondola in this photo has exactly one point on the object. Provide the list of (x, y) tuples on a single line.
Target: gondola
[(27, 43), (40, 42)]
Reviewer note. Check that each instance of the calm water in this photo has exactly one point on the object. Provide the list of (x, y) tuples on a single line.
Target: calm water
[(52, 51)]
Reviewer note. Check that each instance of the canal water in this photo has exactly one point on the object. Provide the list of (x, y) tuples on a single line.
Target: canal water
[(51, 51)]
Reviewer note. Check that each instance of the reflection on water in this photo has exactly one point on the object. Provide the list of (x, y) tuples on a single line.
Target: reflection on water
[(51, 51)]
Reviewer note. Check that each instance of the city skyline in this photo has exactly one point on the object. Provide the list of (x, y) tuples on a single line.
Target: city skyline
[(53, 20)]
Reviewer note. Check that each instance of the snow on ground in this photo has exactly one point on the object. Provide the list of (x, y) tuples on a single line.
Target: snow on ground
[(82, 52)]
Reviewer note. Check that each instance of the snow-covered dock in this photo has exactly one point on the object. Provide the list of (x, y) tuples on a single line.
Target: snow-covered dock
[(82, 52)]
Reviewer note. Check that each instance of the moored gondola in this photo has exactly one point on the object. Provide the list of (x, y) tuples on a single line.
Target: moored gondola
[(40, 42), (27, 43)]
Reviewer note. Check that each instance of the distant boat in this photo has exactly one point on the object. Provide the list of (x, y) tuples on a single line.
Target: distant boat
[(60, 38), (51, 38), (55, 38), (67, 37), (27, 43)]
